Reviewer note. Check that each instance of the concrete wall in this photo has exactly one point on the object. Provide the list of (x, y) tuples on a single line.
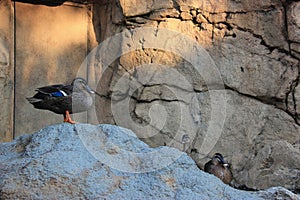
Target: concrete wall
[(50, 45), (6, 70)]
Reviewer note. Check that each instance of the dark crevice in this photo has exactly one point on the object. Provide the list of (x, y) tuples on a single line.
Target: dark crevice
[(286, 26), (108, 93), (194, 20), (291, 93), (200, 91), (273, 101), (213, 32), (169, 86), (14, 71), (245, 188), (147, 17), (176, 5), (131, 74), (230, 27), (137, 118), (108, 96), (144, 16), (158, 100), (229, 13), (206, 18), (45, 2), (295, 42), (264, 43), (54, 3), (288, 2)]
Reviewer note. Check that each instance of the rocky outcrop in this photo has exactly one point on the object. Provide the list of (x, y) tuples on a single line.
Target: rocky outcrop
[(155, 88), (106, 162), (224, 74)]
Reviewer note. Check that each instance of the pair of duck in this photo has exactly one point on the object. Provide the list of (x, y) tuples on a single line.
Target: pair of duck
[(77, 97)]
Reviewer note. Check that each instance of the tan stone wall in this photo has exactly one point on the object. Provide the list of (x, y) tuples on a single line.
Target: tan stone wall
[(6, 70)]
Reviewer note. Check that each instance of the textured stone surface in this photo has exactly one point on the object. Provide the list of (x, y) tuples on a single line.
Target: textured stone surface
[(279, 193), (55, 163), (144, 7), (294, 27), (294, 21), (6, 71), (260, 141), (254, 46)]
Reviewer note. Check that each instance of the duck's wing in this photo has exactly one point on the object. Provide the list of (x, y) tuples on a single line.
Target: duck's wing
[(50, 88), (208, 166), (55, 90)]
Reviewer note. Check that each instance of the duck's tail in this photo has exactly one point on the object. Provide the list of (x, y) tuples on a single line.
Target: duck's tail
[(33, 100)]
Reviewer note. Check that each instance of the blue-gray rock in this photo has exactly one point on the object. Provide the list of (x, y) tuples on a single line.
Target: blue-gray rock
[(104, 162)]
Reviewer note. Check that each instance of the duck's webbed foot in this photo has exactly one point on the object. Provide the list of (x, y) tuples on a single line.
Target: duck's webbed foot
[(67, 118)]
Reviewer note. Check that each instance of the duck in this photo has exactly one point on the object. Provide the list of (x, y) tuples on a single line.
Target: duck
[(64, 99), (219, 167)]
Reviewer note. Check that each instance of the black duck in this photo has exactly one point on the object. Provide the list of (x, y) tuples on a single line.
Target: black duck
[(64, 99)]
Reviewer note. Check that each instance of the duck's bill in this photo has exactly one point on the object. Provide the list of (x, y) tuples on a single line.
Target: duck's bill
[(89, 89), (93, 91)]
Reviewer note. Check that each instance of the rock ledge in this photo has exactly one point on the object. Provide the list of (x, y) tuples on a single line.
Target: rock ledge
[(56, 163)]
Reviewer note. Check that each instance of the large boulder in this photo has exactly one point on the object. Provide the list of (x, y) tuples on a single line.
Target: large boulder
[(92, 162)]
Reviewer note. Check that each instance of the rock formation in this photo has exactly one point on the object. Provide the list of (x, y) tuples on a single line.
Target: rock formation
[(224, 73), (252, 117), (106, 162)]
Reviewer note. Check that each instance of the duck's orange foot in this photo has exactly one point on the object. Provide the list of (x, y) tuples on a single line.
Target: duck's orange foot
[(70, 121), (68, 118)]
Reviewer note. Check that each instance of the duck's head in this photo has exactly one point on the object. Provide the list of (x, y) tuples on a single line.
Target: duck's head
[(218, 159), (80, 84)]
